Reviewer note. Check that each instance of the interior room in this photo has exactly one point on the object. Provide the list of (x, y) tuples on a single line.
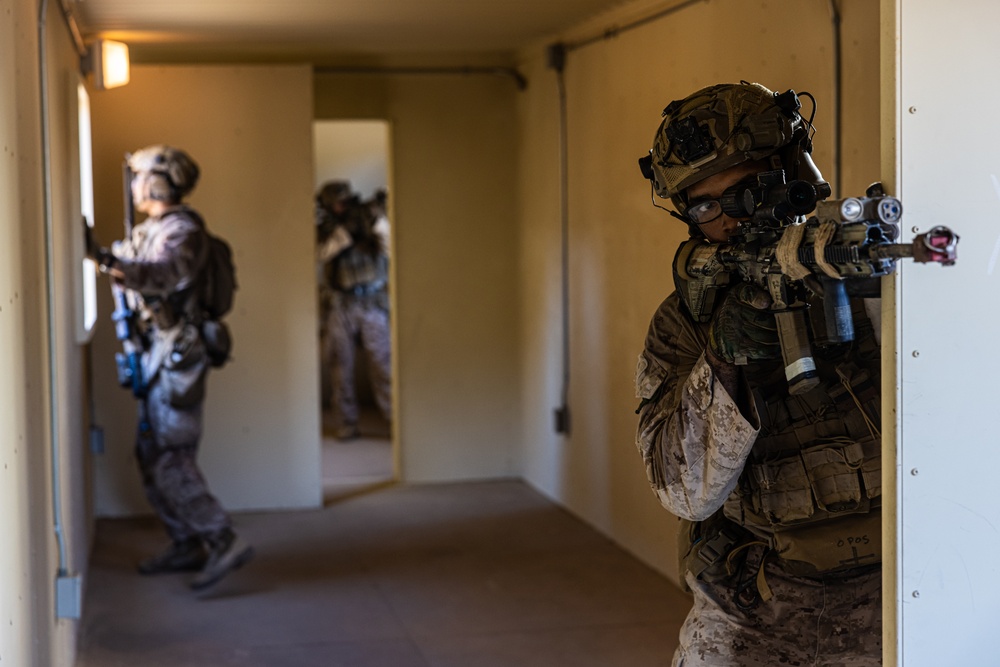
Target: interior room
[(508, 520)]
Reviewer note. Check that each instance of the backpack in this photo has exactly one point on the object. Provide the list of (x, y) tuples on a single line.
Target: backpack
[(217, 283), (219, 286), (216, 293)]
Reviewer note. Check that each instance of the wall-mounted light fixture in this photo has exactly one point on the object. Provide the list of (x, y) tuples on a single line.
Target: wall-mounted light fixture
[(108, 60)]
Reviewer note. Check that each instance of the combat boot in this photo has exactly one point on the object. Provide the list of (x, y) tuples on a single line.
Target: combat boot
[(185, 556), (227, 552)]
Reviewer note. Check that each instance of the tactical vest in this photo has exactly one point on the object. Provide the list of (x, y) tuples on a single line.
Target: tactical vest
[(811, 488), (165, 309), (358, 272)]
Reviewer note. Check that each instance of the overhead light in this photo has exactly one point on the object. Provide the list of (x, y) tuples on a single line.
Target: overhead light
[(109, 63)]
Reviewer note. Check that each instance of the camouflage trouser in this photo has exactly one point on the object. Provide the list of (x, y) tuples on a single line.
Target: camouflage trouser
[(831, 622), (365, 321), (166, 448)]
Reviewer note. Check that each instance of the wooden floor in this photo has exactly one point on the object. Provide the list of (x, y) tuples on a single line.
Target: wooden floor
[(386, 575)]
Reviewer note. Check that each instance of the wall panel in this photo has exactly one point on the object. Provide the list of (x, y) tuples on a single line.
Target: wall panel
[(948, 525)]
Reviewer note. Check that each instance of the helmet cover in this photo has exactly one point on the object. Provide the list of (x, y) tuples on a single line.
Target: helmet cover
[(724, 125)]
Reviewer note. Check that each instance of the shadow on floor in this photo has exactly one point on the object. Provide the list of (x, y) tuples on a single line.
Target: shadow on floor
[(455, 575)]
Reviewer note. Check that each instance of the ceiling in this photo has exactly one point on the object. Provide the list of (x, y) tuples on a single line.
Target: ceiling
[(327, 30)]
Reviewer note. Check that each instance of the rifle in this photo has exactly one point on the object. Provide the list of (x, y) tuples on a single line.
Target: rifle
[(841, 250), (125, 316)]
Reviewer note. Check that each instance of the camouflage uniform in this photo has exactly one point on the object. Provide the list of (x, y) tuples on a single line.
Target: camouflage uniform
[(359, 311), (779, 494), (781, 509), (831, 621), (161, 262)]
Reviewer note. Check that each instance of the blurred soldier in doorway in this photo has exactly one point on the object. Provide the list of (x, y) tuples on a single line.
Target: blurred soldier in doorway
[(353, 252)]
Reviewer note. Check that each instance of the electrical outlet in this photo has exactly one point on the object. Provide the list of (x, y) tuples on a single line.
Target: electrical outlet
[(69, 601)]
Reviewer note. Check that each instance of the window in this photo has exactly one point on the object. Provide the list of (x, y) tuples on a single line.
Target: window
[(87, 289)]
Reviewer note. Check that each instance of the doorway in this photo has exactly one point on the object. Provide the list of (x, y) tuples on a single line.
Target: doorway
[(354, 336)]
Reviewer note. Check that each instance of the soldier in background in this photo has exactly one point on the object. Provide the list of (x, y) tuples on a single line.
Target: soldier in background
[(779, 494), (355, 260), (161, 265)]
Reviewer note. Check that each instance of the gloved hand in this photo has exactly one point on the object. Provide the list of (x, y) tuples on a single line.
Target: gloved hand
[(104, 258), (90, 244), (743, 329)]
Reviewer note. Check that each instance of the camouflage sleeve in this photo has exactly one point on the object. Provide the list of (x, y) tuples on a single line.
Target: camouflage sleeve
[(383, 231), (163, 259), (692, 436), (339, 241)]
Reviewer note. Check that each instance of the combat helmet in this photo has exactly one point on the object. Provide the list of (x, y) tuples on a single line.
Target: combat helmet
[(333, 192), (163, 173), (724, 125)]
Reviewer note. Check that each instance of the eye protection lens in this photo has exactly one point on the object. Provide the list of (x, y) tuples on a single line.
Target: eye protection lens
[(704, 211), (738, 201)]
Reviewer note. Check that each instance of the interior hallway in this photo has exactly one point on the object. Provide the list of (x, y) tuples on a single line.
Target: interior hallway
[(457, 575)]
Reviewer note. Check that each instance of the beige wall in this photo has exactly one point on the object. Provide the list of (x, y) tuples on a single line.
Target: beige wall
[(30, 633), (621, 247), (250, 130), (19, 326), (455, 265)]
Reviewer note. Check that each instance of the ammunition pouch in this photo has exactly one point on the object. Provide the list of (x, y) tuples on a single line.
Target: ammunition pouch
[(819, 509), (815, 484), (842, 544), (218, 342)]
